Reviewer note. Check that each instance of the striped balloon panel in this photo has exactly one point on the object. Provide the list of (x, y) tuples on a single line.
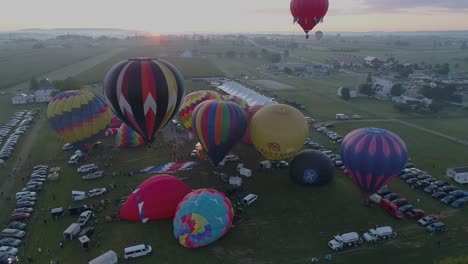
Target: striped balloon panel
[(127, 137), (202, 217), (218, 126), (191, 101), (79, 117), (236, 99), (373, 157), (144, 93)]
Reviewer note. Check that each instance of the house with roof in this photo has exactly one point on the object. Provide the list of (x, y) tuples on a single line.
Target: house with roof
[(459, 174), (349, 61), (19, 99), (44, 95), (373, 61)]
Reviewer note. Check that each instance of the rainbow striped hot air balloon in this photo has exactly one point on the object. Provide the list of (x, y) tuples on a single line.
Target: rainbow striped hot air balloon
[(373, 157), (191, 101), (236, 99), (202, 217), (218, 126), (144, 93), (79, 117), (127, 137)]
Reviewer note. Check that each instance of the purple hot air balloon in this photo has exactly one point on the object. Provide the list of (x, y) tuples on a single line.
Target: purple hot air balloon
[(373, 157)]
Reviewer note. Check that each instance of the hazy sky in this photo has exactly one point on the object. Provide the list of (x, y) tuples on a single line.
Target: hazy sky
[(160, 16)]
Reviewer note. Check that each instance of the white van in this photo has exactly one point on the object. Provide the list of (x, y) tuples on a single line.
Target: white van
[(249, 199), (24, 194), (74, 159), (137, 251), (72, 231), (78, 195), (11, 232), (87, 168)]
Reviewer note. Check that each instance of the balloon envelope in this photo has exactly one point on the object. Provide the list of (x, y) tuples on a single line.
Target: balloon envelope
[(144, 93), (191, 101), (373, 157), (250, 113), (79, 117), (311, 167), (236, 99), (155, 198), (127, 137), (218, 126), (115, 122), (318, 35), (278, 131), (202, 217), (308, 13)]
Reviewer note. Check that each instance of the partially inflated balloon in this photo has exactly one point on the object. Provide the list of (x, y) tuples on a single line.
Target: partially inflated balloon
[(191, 101), (278, 131), (218, 126), (156, 198), (373, 157), (250, 113), (202, 217), (79, 117), (236, 99), (127, 137), (144, 93), (115, 122), (311, 167)]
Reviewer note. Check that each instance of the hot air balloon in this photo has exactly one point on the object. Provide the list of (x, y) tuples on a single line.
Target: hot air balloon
[(373, 157), (115, 122), (202, 217), (278, 131), (308, 13), (155, 198), (191, 101), (311, 167), (127, 137), (79, 117), (236, 99), (250, 113), (318, 35), (218, 126), (144, 93)]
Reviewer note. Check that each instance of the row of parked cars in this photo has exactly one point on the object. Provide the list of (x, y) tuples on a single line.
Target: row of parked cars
[(10, 134), (440, 190), (335, 137), (335, 158)]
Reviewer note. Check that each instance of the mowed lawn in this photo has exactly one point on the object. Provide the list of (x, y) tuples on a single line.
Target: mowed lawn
[(456, 127)]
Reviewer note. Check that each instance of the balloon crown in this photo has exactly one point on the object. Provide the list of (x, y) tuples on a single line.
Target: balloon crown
[(142, 59), (375, 130)]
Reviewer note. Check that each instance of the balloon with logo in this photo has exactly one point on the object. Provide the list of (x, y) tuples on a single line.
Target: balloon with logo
[(80, 117), (250, 113), (308, 13), (311, 167), (202, 217), (278, 131), (218, 125), (155, 198), (236, 99), (191, 101), (127, 137), (373, 157), (144, 93)]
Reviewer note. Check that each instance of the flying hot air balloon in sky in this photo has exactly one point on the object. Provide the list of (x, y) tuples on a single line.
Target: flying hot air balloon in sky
[(278, 131), (144, 93), (80, 117), (373, 157), (318, 35), (218, 125), (308, 13), (202, 217), (191, 101)]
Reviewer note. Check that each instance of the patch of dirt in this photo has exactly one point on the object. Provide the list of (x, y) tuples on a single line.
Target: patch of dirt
[(272, 85)]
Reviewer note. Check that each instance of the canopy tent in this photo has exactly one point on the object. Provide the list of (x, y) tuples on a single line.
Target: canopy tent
[(252, 97)]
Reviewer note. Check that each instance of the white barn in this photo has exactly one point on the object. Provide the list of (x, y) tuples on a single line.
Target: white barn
[(43, 95), (19, 99), (459, 175)]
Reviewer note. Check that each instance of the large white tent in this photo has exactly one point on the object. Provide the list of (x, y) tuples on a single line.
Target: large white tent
[(252, 97)]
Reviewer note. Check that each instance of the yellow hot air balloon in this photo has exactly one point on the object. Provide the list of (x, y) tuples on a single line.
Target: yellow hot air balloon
[(278, 131)]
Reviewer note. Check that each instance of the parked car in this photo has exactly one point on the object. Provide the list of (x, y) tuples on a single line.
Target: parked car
[(87, 231), (391, 196), (436, 227), (84, 217), (421, 184), (9, 241), (17, 225), (24, 204), (87, 168), (458, 193), (400, 201), (96, 192), (406, 208), (423, 177), (427, 220), (440, 183), (415, 213), (460, 202), (383, 191), (23, 210), (439, 195), (392, 209), (67, 146), (448, 199), (431, 188), (77, 209), (20, 217), (412, 180), (12, 251), (447, 189), (407, 176)]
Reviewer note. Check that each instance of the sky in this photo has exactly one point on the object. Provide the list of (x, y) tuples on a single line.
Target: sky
[(168, 16)]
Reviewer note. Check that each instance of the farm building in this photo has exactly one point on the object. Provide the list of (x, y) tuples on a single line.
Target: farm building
[(22, 99), (459, 175), (252, 97), (43, 95), (349, 61), (372, 61)]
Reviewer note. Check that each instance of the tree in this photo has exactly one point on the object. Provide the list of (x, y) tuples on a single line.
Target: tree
[(397, 89), (287, 70), (345, 93), (33, 84), (366, 89), (436, 106), (369, 78), (44, 83), (404, 108), (69, 83), (443, 69)]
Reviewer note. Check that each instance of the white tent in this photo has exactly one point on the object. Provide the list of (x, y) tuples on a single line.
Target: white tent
[(252, 97)]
